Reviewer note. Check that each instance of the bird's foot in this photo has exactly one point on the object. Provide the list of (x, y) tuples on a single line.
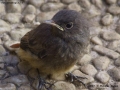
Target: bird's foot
[(72, 78), (42, 84)]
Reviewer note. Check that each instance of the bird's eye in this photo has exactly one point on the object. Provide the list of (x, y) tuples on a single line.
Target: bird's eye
[(69, 25)]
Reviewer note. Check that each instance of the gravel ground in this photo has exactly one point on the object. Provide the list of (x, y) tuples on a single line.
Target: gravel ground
[(101, 65)]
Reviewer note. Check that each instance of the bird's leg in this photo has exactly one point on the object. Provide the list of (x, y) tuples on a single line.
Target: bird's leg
[(72, 78), (43, 84)]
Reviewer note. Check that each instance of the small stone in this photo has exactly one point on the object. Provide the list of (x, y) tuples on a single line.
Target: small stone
[(2, 50), (107, 19), (18, 34), (42, 16), (117, 86), (12, 18), (30, 9), (2, 8), (29, 18), (8, 86), (11, 60), (103, 77), (5, 37), (4, 27), (106, 51), (1, 60), (101, 63), (85, 3), (96, 40), (111, 1), (36, 3), (51, 7), (113, 9), (85, 59), (114, 45), (110, 35), (8, 43), (33, 73), (2, 73), (24, 67), (80, 74), (94, 54), (67, 1), (55, 1), (61, 85), (92, 12), (118, 29), (25, 87), (97, 3), (89, 69), (12, 70), (2, 65), (17, 80), (117, 62), (74, 6), (115, 73), (13, 8)]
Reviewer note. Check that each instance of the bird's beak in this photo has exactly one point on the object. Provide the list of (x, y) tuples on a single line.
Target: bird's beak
[(51, 22)]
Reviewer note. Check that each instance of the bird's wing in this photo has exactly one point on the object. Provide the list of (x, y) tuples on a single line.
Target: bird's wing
[(34, 41)]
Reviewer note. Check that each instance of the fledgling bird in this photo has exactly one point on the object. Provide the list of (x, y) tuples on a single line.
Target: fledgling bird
[(56, 45)]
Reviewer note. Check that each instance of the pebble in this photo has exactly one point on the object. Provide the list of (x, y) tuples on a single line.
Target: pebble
[(42, 16), (2, 50), (13, 8), (4, 27), (106, 51), (8, 43), (68, 1), (8, 86), (24, 67), (2, 8), (101, 63), (110, 35), (96, 40), (30, 9), (117, 86), (118, 29), (92, 12), (2, 65), (107, 19), (11, 60), (12, 70), (88, 69), (17, 80), (97, 3), (1, 60), (5, 37), (113, 9), (29, 18), (103, 77), (36, 3), (111, 1), (117, 62), (85, 3), (94, 54), (115, 73), (74, 6), (18, 33), (12, 18), (61, 85), (80, 74), (114, 45), (85, 59), (25, 87), (51, 7), (2, 73)]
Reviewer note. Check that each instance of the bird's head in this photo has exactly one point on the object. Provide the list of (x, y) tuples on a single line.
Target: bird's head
[(69, 24)]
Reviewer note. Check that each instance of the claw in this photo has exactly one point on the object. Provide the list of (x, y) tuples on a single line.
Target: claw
[(73, 78), (43, 84)]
